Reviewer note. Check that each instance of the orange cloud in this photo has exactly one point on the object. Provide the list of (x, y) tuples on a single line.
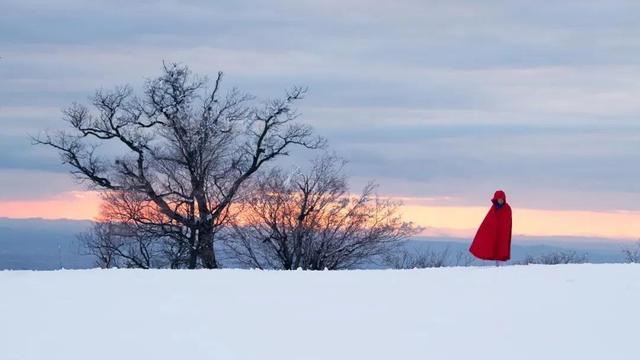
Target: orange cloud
[(77, 205)]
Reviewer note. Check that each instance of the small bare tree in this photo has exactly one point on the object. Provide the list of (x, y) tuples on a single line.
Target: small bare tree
[(116, 245), (131, 233), (311, 221), (417, 259), (426, 258), (632, 255), (184, 150), (98, 243), (555, 258), (463, 258), (173, 243)]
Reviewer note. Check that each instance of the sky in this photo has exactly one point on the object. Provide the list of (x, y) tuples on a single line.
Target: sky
[(440, 102)]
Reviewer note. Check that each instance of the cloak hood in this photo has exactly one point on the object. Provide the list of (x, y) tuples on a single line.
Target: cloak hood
[(499, 195)]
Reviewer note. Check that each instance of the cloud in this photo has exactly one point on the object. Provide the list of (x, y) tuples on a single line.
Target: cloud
[(32, 185), (431, 98)]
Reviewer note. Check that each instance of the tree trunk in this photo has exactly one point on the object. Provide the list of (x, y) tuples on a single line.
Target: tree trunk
[(207, 253), (193, 248)]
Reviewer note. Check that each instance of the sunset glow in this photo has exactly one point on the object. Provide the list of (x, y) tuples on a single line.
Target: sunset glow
[(76, 205), (458, 221), (462, 221)]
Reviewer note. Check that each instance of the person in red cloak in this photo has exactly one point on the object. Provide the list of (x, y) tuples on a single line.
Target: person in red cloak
[(493, 239)]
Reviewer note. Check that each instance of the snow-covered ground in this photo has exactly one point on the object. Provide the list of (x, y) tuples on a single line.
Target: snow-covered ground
[(520, 312)]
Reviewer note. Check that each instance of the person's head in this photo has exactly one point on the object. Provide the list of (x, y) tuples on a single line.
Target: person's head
[(499, 198)]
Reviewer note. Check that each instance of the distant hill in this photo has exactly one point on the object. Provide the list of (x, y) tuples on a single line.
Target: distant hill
[(38, 244)]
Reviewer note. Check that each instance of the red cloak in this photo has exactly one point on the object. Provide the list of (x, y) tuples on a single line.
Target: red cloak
[(493, 239)]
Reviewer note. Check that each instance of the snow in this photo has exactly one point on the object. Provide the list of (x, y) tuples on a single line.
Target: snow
[(516, 312)]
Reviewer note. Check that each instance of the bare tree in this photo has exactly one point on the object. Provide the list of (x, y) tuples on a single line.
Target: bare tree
[(133, 234), (98, 243), (311, 221), (632, 255), (558, 257), (417, 259), (463, 258), (140, 219), (426, 258), (185, 150), (117, 245)]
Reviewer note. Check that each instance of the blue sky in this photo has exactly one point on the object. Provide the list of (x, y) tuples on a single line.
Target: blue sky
[(436, 100)]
